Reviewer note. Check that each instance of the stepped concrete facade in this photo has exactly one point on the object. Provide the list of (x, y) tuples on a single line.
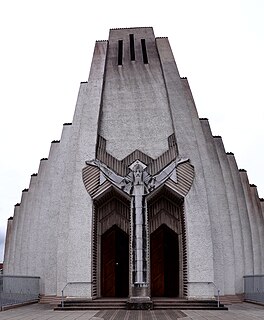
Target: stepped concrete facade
[(138, 198)]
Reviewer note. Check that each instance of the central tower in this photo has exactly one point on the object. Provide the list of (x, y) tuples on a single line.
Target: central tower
[(135, 112), (137, 130)]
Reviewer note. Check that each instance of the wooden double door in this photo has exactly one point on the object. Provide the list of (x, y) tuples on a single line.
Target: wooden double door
[(164, 263)]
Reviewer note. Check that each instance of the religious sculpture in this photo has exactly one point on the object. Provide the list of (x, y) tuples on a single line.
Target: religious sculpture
[(138, 184)]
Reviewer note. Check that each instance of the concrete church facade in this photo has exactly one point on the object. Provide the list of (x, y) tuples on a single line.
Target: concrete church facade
[(138, 198)]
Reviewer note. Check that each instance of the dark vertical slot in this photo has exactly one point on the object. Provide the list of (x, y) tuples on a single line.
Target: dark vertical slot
[(132, 47), (144, 51), (120, 52)]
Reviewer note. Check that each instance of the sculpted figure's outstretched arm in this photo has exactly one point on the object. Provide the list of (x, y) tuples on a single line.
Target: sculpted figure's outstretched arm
[(167, 172), (109, 174)]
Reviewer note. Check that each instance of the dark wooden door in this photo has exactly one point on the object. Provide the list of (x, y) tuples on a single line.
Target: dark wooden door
[(156, 263), (164, 263), (108, 263), (114, 263), (121, 264)]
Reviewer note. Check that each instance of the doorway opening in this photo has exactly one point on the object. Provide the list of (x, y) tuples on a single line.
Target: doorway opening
[(114, 263), (164, 264)]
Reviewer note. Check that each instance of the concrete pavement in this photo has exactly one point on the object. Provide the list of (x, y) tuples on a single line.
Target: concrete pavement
[(243, 311)]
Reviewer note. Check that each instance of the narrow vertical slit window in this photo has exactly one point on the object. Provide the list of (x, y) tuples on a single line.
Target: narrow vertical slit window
[(144, 51), (120, 52), (132, 47)]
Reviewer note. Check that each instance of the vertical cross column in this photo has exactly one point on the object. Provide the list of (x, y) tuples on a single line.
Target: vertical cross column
[(140, 286)]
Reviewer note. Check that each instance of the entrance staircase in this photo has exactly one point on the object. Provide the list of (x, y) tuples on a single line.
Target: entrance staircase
[(184, 304), (121, 303), (96, 304)]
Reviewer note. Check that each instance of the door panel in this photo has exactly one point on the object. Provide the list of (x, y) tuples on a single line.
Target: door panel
[(171, 267), (115, 263), (156, 263), (164, 255), (108, 263), (122, 264)]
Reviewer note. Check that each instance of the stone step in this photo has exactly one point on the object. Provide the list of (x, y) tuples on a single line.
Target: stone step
[(104, 304), (53, 300), (231, 299), (92, 305), (187, 304), (97, 304), (190, 307)]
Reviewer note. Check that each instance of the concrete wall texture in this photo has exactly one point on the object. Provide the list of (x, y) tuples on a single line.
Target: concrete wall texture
[(137, 104)]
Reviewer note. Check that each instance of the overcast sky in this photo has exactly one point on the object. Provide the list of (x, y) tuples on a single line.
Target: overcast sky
[(46, 49)]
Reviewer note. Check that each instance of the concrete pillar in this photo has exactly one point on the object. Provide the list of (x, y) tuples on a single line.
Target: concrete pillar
[(262, 211), (262, 206), (217, 240), (50, 238), (253, 223), (8, 243), (260, 221), (31, 224), (82, 147), (63, 214), (43, 224), (48, 221), (11, 268), (20, 236), (221, 221), (238, 215), (36, 241), (191, 144), (27, 225), (33, 249)]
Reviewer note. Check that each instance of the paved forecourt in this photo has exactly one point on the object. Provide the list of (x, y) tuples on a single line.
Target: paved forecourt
[(243, 311)]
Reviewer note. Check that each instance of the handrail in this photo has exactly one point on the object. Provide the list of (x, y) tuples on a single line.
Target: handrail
[(218, 293), (218, 290), (71, 282)]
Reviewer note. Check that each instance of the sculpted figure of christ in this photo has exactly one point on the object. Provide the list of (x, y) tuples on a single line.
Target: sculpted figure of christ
[(138, 184)]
